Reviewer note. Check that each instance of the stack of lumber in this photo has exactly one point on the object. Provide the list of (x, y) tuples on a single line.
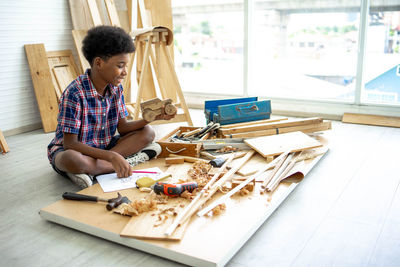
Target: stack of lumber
[(272, 127)]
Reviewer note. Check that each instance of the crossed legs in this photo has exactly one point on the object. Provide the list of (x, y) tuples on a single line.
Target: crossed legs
[(75, 162)]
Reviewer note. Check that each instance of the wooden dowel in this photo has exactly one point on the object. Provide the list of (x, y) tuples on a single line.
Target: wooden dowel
[(280, 171), (221, 181), (187, 211), (273, 186), (279, 161)]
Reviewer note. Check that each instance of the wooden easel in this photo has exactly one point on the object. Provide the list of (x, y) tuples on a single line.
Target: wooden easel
[(3, 144), (157, 39)]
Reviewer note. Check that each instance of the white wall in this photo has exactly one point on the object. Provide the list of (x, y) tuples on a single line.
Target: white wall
[(27, 22)]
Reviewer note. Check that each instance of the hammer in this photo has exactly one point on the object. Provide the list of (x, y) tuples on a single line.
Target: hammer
[(111, 202)]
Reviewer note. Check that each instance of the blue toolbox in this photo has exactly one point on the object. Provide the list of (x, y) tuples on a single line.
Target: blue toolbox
[(237, 110)]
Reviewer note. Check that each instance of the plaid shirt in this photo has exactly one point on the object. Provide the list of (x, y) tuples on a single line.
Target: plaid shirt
[(91, 116)]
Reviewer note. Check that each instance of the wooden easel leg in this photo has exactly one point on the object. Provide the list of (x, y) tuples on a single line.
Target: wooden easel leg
[(127, 82), (142, 76), (160, 80), (3, 143), (178, 87)]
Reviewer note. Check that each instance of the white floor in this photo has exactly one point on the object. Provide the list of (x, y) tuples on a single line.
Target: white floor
[(345, 212)]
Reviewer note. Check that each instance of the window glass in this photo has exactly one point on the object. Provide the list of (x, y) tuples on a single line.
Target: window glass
[(382, 56), (208, 39), (304, 50)]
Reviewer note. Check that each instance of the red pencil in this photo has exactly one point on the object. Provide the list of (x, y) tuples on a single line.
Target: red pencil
[(144, 172)]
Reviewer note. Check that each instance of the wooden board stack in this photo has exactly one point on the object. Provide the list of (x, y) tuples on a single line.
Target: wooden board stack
[(273, 127)]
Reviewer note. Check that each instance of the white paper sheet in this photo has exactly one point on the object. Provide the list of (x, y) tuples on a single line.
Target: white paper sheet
[(110, 182)]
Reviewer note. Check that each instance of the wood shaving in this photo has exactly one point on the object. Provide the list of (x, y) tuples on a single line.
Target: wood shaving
[(136, 207), (244, 192), (199, 173), (219, 209)]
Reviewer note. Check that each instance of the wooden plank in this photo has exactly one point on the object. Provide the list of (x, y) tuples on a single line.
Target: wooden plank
[(324, 126), (278, 144), (151, 225), (112, 13), (94, 12), (78, 36), (63, 69), (241, 124), (253, 165), (371, 119), (80, 14), (42, 84), (3, 144), (279, 124)]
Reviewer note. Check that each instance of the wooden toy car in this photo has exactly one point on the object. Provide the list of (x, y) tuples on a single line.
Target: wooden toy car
[(153, 107)]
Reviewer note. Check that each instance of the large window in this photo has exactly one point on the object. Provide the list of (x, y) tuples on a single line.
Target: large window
[(344, 52), (304, 50), (209, 46), (382, 65)]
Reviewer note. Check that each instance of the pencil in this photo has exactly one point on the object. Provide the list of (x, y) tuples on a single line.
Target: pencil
[(144, 172)]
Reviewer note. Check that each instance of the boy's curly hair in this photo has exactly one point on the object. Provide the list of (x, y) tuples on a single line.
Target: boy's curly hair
[(105, 42)]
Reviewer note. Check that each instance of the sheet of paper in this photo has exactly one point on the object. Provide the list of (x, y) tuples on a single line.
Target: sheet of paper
[(110, 182)]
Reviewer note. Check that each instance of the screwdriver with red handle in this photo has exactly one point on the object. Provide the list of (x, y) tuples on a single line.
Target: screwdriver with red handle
[(173, 190)]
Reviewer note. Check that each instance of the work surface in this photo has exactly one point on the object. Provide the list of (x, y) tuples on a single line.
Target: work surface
[(345, 213), (208, 241)]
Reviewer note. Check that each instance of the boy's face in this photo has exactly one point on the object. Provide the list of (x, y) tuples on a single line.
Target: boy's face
[(114, 69)]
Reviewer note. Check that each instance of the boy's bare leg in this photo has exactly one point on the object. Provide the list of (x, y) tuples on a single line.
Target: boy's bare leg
[(135, 141), (75, 162)]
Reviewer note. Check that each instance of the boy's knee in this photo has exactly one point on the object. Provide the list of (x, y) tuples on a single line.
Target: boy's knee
[(72, 161), (149, 134)]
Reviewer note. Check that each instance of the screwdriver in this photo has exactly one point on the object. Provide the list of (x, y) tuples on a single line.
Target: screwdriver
[(173, 190)]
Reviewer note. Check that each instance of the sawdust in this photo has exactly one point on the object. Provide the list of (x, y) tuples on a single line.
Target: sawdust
[(219, 209), (199, 172)]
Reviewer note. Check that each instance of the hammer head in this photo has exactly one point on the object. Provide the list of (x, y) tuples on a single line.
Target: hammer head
[(115, 202)]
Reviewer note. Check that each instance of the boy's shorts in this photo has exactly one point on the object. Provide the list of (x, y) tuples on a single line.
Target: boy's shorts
[(112, 144)]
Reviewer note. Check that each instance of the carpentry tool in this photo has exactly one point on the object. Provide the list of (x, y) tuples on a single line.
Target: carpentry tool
[(173, 190), (111, 202), (214, 144), (217, 162), (210, 127), (148, 181)]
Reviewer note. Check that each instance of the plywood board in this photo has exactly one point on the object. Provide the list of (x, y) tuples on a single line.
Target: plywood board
[(207, 241), (277, 144), (371, 119), (43, 86)]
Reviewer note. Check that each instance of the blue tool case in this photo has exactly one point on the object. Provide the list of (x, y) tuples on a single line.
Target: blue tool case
[(237, 110)]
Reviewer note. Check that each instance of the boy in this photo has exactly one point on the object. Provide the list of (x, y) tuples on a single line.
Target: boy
[(92, 108)]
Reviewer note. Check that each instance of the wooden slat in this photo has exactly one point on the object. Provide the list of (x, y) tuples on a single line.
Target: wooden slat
[(42, 83), (78, 36), (112, 13), (3, 143), (278, 144), (324, 126), (94, 12), (265, 126), (80, 15), (241, 124), (371, 119)]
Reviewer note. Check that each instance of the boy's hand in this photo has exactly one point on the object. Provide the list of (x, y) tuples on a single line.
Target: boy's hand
[(164, 116), (120, 165)]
